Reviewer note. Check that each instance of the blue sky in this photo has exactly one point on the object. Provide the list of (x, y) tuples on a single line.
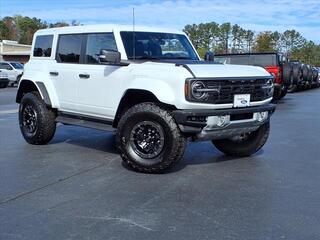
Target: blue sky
[(262, 15)]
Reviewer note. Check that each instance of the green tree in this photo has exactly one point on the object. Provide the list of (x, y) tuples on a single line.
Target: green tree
[(249, 39), (4, 31), (26, 27), (291, 39), (224, 35), (265, 42), (308, 53), (58, 24)]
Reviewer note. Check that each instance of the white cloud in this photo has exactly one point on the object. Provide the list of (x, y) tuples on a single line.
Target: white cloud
[(303, 16)]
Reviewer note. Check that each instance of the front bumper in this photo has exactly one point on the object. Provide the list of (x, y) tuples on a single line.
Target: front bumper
[(203, 124)]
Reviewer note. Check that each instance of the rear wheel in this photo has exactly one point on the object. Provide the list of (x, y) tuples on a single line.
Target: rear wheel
[(245, 144), (36, 120), (149, 139)]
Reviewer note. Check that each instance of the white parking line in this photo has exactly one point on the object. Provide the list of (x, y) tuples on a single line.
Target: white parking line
[(9, 111)]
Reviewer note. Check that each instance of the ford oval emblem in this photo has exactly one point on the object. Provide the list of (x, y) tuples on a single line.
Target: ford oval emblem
[(244, 101)]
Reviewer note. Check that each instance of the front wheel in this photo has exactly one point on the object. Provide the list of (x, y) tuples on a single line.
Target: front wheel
[(245, 144), (149, 139), (36, 120)]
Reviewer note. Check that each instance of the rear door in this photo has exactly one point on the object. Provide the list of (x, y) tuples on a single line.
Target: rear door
[(65, 71)]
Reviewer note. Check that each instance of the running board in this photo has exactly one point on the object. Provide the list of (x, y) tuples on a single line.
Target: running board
[(84, 121)]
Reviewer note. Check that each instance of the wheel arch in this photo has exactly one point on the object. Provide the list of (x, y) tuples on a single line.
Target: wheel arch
[(26, 86), (135, 96)]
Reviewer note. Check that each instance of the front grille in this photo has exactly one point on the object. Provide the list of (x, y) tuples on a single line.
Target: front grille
[(257, 89)]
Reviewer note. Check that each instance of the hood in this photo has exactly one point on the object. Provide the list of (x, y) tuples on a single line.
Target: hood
[(221, 70), (202, 69)]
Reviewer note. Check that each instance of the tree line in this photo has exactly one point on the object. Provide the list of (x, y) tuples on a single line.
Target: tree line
[(21, 29), (220, 38), (228, 38)]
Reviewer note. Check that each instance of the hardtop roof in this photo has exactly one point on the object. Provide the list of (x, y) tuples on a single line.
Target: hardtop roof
[(104, 28)]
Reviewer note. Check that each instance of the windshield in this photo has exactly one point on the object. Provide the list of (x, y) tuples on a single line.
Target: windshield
[(263, 60), (17, 65), (157, 46)]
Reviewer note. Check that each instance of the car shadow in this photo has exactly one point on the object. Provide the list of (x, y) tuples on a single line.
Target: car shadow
[(88, 138), (196, 153)]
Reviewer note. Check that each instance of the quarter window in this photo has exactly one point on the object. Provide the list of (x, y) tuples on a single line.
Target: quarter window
[(95, 43), (43, 46), (69, 48)]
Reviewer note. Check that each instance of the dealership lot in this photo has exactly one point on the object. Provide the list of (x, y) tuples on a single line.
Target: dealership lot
[(77, 188)]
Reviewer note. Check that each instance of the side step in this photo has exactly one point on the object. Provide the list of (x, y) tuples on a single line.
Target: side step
[(85, 122)]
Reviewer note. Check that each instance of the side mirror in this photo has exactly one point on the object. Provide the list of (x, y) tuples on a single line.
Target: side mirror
[(110, 57), (209, 56)]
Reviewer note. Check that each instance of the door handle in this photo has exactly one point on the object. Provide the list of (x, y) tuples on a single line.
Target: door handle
[(84, 75), (54, 73)]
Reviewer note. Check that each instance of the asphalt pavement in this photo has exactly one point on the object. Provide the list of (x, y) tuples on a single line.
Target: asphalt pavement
[(76, 187)]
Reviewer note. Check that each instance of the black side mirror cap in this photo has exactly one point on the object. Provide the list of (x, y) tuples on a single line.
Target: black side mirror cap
[(209, 56), (110, 57)]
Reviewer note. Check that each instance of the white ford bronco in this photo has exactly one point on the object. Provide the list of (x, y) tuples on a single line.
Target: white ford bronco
[(148, 84)]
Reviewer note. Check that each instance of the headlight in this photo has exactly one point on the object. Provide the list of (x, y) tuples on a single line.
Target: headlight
[(197, 90)]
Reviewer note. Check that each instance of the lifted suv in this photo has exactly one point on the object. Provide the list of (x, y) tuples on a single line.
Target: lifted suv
[(150, 85), (274, 63)]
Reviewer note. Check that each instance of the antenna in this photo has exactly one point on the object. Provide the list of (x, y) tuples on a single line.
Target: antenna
[(133, 35)]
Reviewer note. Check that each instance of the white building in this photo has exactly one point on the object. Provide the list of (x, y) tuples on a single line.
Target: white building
[(13, 51)]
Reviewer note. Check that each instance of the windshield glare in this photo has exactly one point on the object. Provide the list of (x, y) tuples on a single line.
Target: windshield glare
[(17, 65), (159, 46)]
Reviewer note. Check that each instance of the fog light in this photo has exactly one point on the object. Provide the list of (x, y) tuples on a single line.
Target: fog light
[(262, 116), (222, 121), (217, 121)]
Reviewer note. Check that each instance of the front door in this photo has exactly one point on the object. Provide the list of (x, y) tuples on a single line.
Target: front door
[(99, 84)]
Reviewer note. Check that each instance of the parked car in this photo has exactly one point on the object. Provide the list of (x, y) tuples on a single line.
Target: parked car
[(4, 81), (14, 70), (274, 63), (150, 85)]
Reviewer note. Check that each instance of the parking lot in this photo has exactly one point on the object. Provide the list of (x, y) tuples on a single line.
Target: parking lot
[(77, 188)]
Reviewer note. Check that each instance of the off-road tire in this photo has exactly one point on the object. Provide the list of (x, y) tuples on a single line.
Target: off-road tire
[(251, 145), (296, 70), (46, 125), (284, 92), (305, 72), (287, 74), (174, 141), (277, 94)]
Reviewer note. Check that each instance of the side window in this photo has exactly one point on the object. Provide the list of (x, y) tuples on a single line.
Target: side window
[(5, 66), (95, 43), (69, 48), (43, 46)]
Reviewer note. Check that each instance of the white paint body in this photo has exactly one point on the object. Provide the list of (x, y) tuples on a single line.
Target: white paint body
[(101, 94)]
